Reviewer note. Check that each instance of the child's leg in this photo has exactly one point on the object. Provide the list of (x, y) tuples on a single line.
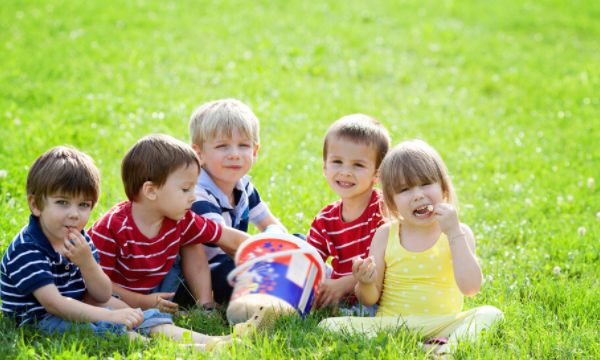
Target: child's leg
[(468, 327)]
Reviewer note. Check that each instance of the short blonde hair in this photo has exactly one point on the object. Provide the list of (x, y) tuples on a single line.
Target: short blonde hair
[(413, 163), (66, 171), (219, 118), (153, 158), (360, 129)]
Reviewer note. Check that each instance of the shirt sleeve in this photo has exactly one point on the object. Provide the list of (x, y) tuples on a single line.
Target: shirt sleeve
[(92, 246), (29, 269), (318, 239), (198, 230), (105, 245), (258, 208)]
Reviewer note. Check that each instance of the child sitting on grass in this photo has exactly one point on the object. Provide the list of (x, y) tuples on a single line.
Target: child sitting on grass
[(353, 149), (51, 263), (147, 243), (225, 135), (420, 266)]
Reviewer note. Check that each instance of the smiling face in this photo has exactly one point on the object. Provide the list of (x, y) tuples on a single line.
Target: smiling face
[(61, 214), (350, 168), (176, 196), (227, 159), (415, 205)]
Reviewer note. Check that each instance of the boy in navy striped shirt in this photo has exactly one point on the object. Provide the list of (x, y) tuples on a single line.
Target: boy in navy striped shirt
[(51, 263), (225, 135)]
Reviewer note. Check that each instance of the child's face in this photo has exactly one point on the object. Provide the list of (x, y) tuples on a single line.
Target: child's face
[(176, 196), (413, 204), (61, 215), (350, 168), (227, 160)]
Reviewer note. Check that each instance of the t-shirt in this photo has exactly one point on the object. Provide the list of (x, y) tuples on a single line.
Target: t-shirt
[(343, 241), (137, 263), (213, 204), (31, 262)]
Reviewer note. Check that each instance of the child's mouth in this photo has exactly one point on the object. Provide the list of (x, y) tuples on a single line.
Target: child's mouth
[(345, 185), (423, 211)]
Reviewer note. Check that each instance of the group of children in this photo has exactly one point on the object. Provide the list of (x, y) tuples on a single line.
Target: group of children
[(399, 255)]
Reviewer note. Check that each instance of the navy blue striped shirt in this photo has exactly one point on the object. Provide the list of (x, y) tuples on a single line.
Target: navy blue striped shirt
[(29, 263)]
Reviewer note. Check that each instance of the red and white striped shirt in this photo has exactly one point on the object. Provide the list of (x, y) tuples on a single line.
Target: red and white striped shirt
[(343, 241), (137, 263)]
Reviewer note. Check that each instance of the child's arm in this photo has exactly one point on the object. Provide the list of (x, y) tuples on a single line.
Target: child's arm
[(269, 220), (467, 271), (370, 280), (333, 290), (73, 310), (196, 272), (79, 252), (146, 301), (230, 240)]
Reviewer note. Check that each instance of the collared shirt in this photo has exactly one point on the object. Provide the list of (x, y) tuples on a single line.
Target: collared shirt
[(138, 263), (212, 203), (31, 262)]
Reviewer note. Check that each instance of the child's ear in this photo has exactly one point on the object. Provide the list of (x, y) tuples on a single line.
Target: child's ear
[(149, 190), (32, 206), (255, 153), (198, 151), (376, 177)]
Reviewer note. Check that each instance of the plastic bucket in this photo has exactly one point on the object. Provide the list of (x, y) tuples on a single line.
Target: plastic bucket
[(277, 270)]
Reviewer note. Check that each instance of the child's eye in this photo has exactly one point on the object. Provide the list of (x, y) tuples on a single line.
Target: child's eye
[(337, 161), (358, 165), (403, 190), (85, 205), (61, 202), (186, 190)]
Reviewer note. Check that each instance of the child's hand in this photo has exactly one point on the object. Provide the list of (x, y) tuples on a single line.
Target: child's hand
[(364, 270), (128, 317), (331, 292), (446, 216), (77, 250), (158, 301)]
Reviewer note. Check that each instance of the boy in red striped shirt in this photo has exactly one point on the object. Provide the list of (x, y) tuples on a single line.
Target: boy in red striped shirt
[(353, 149), (147, 243)]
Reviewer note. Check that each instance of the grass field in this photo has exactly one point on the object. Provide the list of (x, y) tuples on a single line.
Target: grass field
[(507, 91)]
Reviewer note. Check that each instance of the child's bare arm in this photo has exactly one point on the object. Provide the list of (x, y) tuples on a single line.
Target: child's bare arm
[(467, 271), (370, 272), (77, 250), (269, 220), (231, 239), (74, 310), (196, 272), (146, 301)]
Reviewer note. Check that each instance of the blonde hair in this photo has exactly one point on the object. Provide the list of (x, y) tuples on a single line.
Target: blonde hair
[(153, 158), (219, 118), (360, 129), (66, 171), (413, 163)]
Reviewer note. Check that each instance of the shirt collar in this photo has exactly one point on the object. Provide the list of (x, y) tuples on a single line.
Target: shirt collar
[(37, 235), (207, 182)]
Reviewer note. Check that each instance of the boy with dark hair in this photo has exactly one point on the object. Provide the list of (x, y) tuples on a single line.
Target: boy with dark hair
[(147, 243), (353, 149), (52, 262)]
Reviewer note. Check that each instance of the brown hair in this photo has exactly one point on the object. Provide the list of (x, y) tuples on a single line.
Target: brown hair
[(413, 163), (153, 158), (361, 129), (63, 170), (219, 118)]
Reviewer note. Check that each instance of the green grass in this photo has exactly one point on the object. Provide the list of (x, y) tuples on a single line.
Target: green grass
[(507, 91)]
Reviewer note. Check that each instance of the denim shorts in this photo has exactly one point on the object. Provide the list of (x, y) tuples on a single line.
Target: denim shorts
[(51, 324)]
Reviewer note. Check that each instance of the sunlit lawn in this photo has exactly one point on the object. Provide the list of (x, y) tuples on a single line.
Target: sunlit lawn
[(507, 91)]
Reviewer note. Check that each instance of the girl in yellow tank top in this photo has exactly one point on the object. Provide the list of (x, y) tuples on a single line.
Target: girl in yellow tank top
[(421, 264)]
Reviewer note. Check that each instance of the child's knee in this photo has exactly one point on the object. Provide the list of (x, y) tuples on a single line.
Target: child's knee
[(491, 314)]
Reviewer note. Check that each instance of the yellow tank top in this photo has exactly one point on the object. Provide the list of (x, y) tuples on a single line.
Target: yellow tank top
[(418, 283)]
